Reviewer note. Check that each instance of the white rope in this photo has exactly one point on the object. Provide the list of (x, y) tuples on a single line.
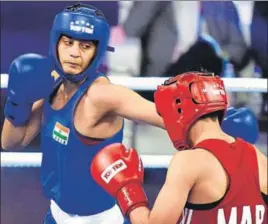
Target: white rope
[(10, 159), (150, 83), (33, 159)]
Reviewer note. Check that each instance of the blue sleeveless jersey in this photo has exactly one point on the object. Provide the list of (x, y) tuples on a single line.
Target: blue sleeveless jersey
[(65, 170)]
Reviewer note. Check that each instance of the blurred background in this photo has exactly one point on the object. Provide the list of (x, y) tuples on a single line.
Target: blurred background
[(151, 39)]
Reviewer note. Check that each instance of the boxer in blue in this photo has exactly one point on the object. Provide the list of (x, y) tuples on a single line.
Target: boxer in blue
[(78, 112)]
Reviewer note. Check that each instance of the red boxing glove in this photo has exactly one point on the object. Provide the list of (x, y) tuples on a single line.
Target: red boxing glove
[(120, 172)]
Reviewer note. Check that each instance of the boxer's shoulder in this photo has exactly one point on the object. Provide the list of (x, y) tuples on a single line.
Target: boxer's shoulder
[(95, 90), (193, 154), (189, 162), (102, 92), (195, 162), (98, 100)]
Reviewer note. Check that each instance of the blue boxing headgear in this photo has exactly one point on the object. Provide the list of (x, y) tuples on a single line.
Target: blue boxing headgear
[(82, 22)]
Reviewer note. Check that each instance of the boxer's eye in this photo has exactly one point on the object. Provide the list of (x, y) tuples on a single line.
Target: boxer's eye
[(68, 42), (86, 46)]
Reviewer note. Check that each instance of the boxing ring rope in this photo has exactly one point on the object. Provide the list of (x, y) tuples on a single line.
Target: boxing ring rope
[(150, 83), (22, 159), (33, 159)]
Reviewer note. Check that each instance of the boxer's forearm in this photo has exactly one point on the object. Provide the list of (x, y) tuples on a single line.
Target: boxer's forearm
[(140, 215), (13, 137)]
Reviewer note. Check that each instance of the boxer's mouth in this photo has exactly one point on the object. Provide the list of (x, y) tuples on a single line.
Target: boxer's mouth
[(73, 65)]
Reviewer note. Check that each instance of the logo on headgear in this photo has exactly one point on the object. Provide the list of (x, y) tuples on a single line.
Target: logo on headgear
[(81, 26), (215, 89)]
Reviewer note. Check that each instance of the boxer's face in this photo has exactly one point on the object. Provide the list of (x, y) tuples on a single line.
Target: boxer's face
[(75, 55)]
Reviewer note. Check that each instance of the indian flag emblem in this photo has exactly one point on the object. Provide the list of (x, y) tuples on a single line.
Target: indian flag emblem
[(61, 133)]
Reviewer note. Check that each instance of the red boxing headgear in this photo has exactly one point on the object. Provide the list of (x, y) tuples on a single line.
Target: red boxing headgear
[(183, 99)]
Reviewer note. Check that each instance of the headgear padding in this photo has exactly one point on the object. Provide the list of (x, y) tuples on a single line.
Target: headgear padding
[(80, 22), (185, 98)]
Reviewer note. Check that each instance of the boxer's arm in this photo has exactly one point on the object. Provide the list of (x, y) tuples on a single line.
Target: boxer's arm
[(17, 137), (171, 200), (126, 103)]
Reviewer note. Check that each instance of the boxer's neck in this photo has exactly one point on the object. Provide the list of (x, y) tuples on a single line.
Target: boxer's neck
[(206, 129), (69, 88)]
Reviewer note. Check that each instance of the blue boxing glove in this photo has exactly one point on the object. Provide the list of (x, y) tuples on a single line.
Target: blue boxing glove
[(241, 123), (29, 80)]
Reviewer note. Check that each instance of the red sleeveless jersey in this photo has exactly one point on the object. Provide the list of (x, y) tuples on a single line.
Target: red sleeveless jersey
[(243, 202)]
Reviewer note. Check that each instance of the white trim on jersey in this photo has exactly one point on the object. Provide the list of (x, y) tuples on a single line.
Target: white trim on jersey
[(187, 216)]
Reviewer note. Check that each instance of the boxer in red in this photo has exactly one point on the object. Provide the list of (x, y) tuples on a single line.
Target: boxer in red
[(213, 178)]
